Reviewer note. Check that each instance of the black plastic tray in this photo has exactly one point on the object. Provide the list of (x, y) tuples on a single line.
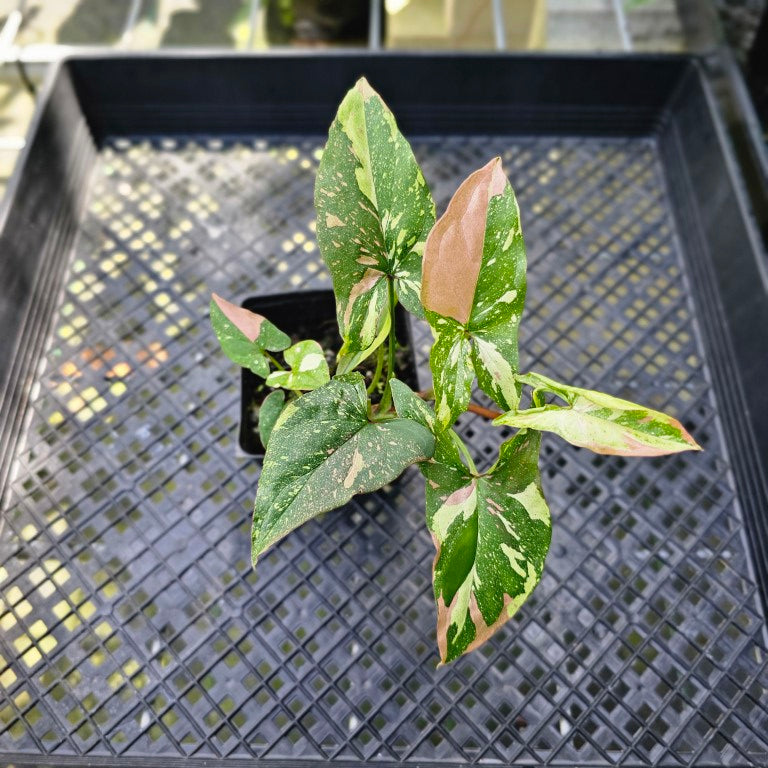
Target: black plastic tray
[(133, 630)]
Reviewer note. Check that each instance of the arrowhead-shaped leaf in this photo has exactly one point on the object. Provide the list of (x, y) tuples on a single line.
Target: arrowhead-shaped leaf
[(600, 422), (324, 450), (244, 335), (492, 533), (374, 211), (269, 413), (309, 368), (474, 277), (494, 357)]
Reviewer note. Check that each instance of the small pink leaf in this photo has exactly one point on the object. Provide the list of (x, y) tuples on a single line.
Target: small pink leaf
[(247, 322)]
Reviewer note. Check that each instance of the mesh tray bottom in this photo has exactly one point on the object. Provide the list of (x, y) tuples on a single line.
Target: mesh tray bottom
[(132, 623)]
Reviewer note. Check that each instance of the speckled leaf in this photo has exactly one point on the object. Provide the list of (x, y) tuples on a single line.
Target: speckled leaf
[(244, 335), (269, 413), (452, 373), (492, 534), (474, 275), (324, 450), (309, 368), (600, 422), (374, 211)]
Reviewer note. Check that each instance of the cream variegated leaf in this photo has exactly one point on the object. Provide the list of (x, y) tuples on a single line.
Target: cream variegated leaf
[(409, 405), (494, 358), (374, 211), (244, 335), (308, 368), (347, 361), (600, 422), (474, 278), (322, 451), (491, 532)]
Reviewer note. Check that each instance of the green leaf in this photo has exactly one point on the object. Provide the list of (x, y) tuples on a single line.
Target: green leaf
[(269, 412), (244, 335), (309, 368), (492, 534), (600, 422), (374, 211), (324, 450), (494, 358), (410, 406), (474, 279)]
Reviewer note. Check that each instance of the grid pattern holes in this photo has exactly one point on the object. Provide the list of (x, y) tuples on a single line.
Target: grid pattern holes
[(132, 622)]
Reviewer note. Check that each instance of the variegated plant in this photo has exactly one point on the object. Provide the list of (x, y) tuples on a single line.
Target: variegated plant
[(466, 274)]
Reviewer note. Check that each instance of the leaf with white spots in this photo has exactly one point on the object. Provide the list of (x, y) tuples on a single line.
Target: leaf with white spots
[(309, 368), (244, 335), (474, 279), (494, 358), (374, 212), (324, 450), (269, 412), (600, 422), (492, 534)]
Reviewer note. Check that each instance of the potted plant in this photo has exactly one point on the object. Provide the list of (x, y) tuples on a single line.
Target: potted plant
[(311, 313), (328, 438)]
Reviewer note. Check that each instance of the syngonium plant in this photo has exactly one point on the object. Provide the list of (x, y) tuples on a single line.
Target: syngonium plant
[(465, 274)]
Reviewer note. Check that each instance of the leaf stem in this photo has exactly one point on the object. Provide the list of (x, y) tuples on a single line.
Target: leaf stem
[(429, 394), (464, 451), (274, 360), (377, 373), (392, 330), (386, 399), (486, 413)]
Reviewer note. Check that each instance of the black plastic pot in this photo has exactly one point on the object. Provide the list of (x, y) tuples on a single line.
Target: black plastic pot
[(307, 315)]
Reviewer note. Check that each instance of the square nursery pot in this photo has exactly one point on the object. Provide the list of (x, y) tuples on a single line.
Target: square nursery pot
[(308, 315), (133, 630)]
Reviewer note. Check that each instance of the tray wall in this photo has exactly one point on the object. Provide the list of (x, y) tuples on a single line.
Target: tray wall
[(38, 222)]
